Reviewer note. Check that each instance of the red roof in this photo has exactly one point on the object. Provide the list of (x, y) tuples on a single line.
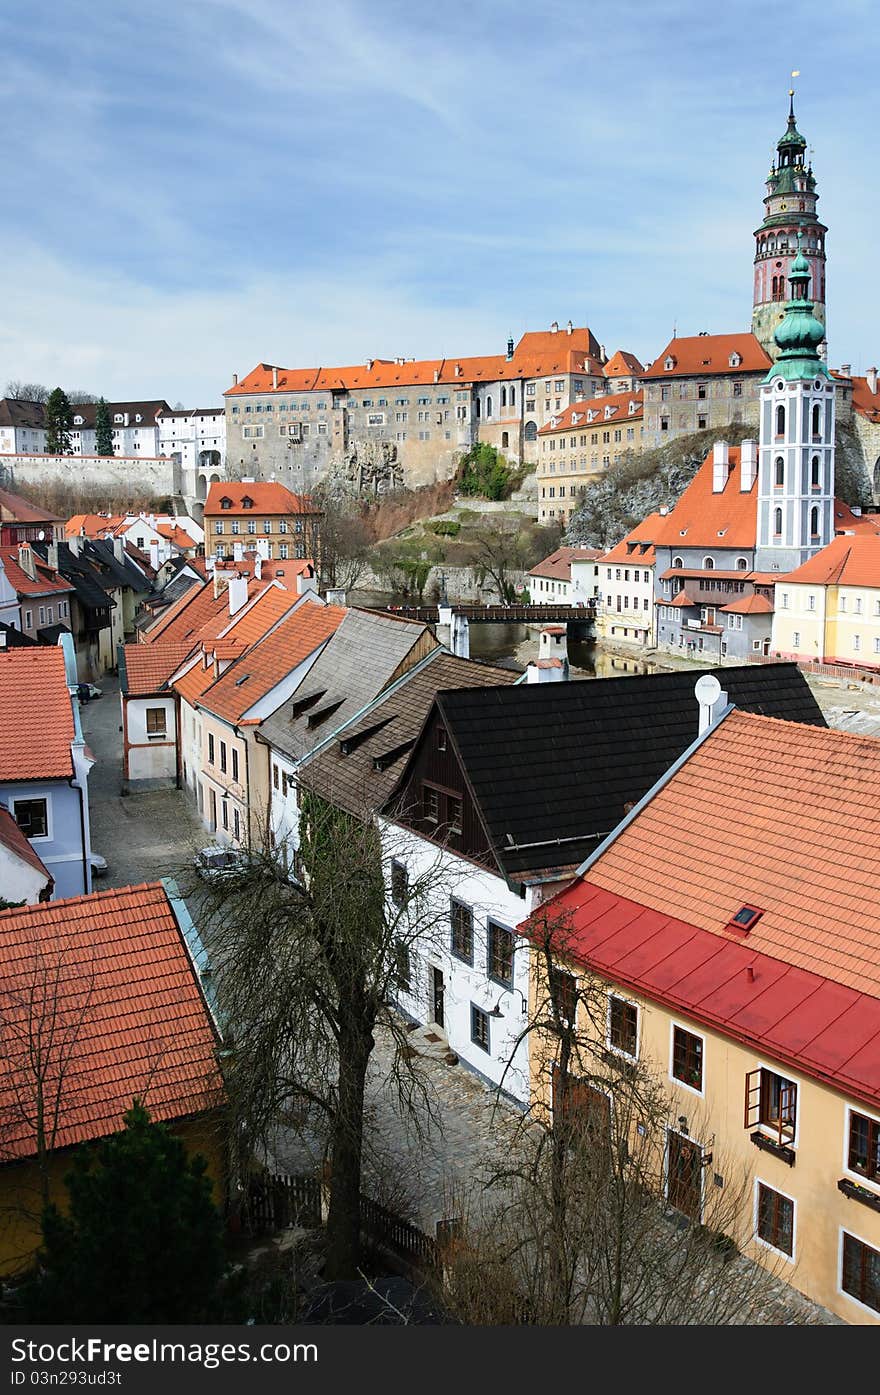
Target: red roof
[(266, 496), (846, 561), (613, 407), (866, 402), (37, 716), (637, 546), (46, 582), (794, 1015), (702, 355), (271, 659), (749, 605), (176, 535), (12, 838), (623, 365), (558, 564), (130, 1014), (15, 509), (148, 667), (703, 518)]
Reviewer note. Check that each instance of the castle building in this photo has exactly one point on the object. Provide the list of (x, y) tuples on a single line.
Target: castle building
[(790, 225)]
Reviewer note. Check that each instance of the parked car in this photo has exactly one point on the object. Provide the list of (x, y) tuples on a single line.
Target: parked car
[(98, 864), (87, 691), (217, 862)]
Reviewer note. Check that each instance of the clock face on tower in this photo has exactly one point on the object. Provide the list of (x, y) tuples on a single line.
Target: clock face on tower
[(783, 206)]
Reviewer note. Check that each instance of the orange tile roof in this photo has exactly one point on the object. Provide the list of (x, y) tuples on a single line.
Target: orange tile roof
[(47, 582), (268, 497), (702, 355), (538, 352), (773, 814), (175, 535), (12, 838), (643, 533), (577, 415), (558, 564), (865, 402), (148, 667), (845, 521), (846, 561), (702, 518), (90, 525), (623, 365), (36, 727), (681, 598), (749, 605), (196, 680), (267, 602), (195, 612), (266, 663), (129, 1010)]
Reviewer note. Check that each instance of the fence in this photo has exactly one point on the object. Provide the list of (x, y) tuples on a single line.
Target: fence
[(844, 671), (383, 1227)]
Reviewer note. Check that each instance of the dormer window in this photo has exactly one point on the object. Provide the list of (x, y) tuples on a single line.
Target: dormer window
[(138, 417), (77, 421), (609, 412), (247, 502), (225, 503), (669, 364), (117, 417), (633, 407), (735, 359)]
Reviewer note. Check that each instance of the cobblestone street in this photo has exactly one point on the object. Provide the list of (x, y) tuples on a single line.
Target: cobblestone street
[(142, 836)]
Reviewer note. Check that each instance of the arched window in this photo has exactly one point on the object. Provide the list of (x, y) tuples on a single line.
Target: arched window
[(814, 472), (779, 472), (504, 397), (742, 564), (513, 397), (777, 523), (677, 562), (531, 431), (817, 427), (708, 564), (814, 521), (780, 420), (488, 407)]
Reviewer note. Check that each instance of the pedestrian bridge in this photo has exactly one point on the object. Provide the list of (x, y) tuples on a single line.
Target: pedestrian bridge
[(549, 614)]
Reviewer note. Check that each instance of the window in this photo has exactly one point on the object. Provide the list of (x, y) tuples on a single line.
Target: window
[(814, 522), (28, 619), (479, 1027), (623, 1026), (453, 813), (863, 1155), (225, 815), (500, 953), (155, 721), (431, 803), (236, 823), (814, 473), (780, 420), (860, 1271), (399, 882), (462, 920), (771, 1103), (234, 763), (779, 472), (275, 780), (777, 523), (32, 817), (563, 995), (796, 639), (223, 756), (775, 1219), (210, 749), (441, 738), (687, 1059), (403, 966), (811, 602)]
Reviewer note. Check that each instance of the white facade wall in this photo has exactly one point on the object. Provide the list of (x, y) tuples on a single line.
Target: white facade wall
[(191, 753), (188, 435), (22, 440), (150, 757), (626, 602), (19, 881), (505, 1063)]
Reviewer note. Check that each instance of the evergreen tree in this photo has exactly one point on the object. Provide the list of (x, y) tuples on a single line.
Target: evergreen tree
[(103, 429), (59, 420), (142, 1241)]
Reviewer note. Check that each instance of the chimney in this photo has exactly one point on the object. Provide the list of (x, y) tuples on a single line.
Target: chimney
[(545, 671), (458, 370), (436, 375), (75, 544), (569, 327), (235, 380), (237, 551), (248, 479), (334, 596), (748, 465), (2, 639), (52, 555), (263, 546), (846, 369), (553, 650), (221, 580), (258, 566), (26, 560), (154, 554), (554, 328), (125, 418), (720, 466), (871, 376), (369, 364), (238, 593), (274, 378)]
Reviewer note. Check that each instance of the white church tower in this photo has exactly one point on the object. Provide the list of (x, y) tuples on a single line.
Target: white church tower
[(796, 458)]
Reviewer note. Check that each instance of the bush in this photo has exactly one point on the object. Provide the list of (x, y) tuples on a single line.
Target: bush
[(483, 472), (445, 528)]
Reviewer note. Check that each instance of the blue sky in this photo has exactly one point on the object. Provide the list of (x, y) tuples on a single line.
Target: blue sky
[(195, 186)]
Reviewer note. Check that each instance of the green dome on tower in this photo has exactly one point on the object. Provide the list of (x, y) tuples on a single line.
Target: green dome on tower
[(799, 334)]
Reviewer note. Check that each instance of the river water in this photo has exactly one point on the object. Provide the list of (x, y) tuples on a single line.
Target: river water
[(513, 646)]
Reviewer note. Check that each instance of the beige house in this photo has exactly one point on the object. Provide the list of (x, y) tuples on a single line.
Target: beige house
[(828, 610), (578, 445), (739, 955), (703, 382), (265, 516)]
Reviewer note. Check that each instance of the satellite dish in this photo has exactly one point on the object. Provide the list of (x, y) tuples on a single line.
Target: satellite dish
[(707, 690), (40, 536)]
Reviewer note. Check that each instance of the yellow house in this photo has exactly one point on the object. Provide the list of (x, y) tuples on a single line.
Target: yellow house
[(101, 1001), (579, 444), (732, 921), (241, 514), (828, 609)]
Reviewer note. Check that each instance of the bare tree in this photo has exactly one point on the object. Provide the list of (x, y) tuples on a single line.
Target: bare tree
[(344, 542), (505, 545), (309, 966), (605, 1212), (21, 391)]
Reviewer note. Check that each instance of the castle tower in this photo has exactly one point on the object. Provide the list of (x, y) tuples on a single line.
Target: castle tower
[(790, 204), (796, 455)]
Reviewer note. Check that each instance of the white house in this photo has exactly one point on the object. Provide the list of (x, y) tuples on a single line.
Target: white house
[(23, 877), (566, 577), (194, 438), (626, 609)]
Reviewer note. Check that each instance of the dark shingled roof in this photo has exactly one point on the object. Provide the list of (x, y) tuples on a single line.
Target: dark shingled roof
[(554, 767), (361, 659), (344, 769)]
